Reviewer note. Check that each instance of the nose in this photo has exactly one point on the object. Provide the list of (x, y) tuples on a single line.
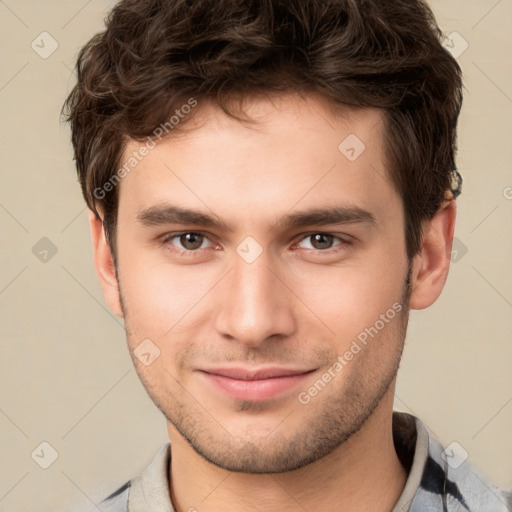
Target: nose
[(255, 304)]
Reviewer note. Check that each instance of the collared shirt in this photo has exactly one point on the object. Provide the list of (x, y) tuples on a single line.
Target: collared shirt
[(440, 479)]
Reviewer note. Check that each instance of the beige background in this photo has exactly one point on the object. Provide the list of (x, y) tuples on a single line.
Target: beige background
[(67, 378)]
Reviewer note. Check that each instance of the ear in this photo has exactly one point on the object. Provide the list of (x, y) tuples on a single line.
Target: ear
[(431, 264), (104, 264)]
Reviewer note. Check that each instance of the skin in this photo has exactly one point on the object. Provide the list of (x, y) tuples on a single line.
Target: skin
[(293, 306)]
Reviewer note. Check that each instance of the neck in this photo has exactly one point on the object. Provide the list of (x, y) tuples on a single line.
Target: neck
[(364, 473)]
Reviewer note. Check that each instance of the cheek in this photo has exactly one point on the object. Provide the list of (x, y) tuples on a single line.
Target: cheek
[(349, 297), (163, 300)]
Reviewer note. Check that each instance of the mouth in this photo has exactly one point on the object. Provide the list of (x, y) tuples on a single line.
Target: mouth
[(255, 384)]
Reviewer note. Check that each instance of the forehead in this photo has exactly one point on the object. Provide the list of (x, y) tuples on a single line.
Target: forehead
[(300, 149)]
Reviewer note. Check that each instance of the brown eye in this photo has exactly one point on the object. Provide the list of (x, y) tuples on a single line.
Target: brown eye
[(191, 241), (321, 241), (186, 242), (324, 242)]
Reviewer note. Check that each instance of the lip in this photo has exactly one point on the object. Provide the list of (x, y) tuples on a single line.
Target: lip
[(255, 384)]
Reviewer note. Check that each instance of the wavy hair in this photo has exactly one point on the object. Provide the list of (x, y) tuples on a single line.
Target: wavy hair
[(387, 54)]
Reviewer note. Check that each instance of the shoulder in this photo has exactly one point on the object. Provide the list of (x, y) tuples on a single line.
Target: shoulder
[(458, 486), (117, 501), (147, 491)]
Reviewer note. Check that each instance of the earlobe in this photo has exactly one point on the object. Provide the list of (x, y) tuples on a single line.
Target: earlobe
[(431, 264), (104, 265)]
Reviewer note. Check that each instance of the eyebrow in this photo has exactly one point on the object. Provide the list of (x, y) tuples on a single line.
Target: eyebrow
[(170, 214)]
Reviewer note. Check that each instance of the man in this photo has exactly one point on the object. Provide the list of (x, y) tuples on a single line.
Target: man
[(272, 188)]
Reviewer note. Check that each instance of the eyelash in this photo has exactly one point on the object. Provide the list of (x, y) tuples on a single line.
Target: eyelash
[(193, 253)]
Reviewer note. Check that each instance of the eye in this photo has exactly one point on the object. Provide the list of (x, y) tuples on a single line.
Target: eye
[(324, 241), (188, 241)]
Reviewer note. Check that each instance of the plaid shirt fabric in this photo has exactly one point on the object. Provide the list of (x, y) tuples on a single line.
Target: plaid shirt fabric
[(440, 480)]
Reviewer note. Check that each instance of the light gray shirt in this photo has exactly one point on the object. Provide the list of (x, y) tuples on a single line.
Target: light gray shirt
[(439, 479)]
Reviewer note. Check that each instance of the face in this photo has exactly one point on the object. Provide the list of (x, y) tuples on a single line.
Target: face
[(265, 267)]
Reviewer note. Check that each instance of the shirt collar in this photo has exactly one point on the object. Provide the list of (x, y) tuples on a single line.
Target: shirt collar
[(432, 483)]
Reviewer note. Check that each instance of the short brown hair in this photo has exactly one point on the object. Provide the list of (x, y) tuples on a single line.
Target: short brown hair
[(154, 54)]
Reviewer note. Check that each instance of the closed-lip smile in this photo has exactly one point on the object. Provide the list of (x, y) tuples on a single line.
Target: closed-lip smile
[(255, 384)]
